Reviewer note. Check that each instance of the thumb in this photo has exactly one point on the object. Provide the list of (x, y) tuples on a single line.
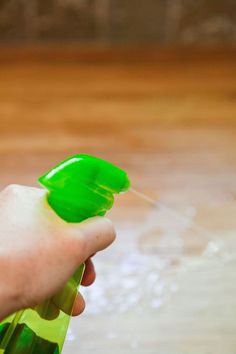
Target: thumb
[(97, 233)]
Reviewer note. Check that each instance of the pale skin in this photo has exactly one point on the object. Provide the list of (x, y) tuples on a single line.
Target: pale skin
[(39, 251)]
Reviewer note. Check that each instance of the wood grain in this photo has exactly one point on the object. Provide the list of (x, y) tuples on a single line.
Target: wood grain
[(169, 118)]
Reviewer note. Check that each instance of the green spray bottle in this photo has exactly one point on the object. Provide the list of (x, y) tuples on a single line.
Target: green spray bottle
[(80, 187)]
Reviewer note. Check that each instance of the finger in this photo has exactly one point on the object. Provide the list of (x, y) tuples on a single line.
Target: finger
[(89, 273), (79, 305), (97, 234), (47, 310), (64, 299)]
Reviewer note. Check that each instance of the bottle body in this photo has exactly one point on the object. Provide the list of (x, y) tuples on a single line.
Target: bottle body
[(34, 335), (41, 330)]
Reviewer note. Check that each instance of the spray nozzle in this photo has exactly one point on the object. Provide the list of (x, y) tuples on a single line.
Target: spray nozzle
[(83, 186)]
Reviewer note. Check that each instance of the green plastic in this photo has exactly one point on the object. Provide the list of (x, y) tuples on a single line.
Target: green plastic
[(80, 187)]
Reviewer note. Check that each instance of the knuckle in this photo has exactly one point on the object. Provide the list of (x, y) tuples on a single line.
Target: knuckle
[(12, 190)]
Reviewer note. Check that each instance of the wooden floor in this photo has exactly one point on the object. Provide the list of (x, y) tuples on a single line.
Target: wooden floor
[(166, 116)]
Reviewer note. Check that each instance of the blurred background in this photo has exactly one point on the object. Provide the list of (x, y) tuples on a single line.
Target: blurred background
[(112, 21), (151, 87)]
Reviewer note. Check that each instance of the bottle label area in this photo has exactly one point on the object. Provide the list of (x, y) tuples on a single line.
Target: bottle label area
[(25, 341)]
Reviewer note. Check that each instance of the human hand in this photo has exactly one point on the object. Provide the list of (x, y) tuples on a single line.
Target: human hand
[(39, 251)]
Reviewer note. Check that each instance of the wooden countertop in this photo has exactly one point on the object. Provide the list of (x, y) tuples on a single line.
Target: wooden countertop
[(166, 116), (177, 107)]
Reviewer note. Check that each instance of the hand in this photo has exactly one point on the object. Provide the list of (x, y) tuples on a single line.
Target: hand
[(39, 251)]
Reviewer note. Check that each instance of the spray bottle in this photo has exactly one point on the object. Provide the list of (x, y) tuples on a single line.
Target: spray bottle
[(80, 187)]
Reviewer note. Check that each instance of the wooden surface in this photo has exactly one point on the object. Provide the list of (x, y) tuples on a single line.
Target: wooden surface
[(169, 119), (176, 110)]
